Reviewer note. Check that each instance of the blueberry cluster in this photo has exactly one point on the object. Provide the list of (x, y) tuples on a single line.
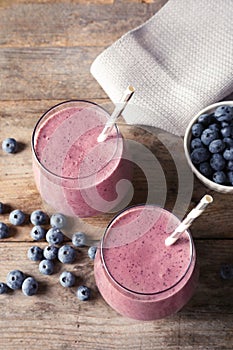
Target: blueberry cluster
[(46, 257), (211, 145), (66, 253), (16, 279)]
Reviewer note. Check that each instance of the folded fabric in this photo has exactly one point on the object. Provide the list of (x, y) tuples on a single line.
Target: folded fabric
[(179, 61)]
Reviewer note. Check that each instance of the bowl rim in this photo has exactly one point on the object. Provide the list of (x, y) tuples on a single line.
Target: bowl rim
[(187, 136)]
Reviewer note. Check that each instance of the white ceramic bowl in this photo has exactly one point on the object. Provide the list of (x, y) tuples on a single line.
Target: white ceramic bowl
[(187, 139)]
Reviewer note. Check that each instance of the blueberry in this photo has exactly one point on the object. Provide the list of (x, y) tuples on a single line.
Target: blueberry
[(3, 288), (217, 162), (196, 143), (46, 267), (224, 124), (216, 146), (204, 119), (219, 177), (4, 230), (79, 239), (205, 169), (54, 236), (223, 113), (92, 252), (10, 145), (230, 177), (38, 217), (67, 279), (199, 155), (1, 208), (29, 286), (17, 217), (15, 279), (66, 254), (58, 220), (228, 142), (83, 293), (208, 136), (230, 165), (226, 271), (214, 127), (228, 154), (50, 252), (226, 131), (37, 233), (197, 129), (35, 253)]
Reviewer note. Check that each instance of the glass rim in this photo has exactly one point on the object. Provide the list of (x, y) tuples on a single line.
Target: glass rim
[(122, 287), (44, 115)]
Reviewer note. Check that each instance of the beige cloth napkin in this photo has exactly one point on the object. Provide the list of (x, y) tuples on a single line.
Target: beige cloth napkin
[(179, 61)]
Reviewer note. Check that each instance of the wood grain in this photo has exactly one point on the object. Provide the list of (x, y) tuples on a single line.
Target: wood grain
[(56, 318), (70, 23)]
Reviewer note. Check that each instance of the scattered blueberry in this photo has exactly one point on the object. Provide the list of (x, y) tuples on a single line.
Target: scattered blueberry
[(196, 143), (67, 279), (29, 286), (50, 252), (54, 236), (15, 279), (37, 233), (208, 136), (10, 145), (216, 146), (66, 254), (226, 271), (199, 155), (4, 230), (223, 113), (3, 288), (92, 252), (58, 220), (205, 169), (46, 267), (83, 293), (197, 129), (217, 162), (1, 208), (228, 154), (219, 177), (79, 239), (38, 217), (204, 119), (35, 253), (17, 217)]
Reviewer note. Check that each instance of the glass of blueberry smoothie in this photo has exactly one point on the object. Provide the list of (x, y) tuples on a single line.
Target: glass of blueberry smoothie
[(74, 173), (136, 273)]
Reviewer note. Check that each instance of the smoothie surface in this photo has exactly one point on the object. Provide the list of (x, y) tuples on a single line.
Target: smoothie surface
[(135, 254)]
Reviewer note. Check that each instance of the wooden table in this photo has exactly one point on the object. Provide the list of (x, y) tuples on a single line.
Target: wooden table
[(46, 49)]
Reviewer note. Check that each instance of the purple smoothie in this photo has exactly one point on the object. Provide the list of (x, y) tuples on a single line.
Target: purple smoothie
[(74, 173), (136, 273)]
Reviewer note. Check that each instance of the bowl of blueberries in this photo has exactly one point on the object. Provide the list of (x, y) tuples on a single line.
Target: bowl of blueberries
[(208, 145)]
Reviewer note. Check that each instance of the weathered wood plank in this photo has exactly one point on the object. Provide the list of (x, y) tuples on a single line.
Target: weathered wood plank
[(48, 73), (70, 23), (56, 319)]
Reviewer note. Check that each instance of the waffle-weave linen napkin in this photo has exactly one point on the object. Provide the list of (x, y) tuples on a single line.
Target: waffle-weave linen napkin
[(179, 61)]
